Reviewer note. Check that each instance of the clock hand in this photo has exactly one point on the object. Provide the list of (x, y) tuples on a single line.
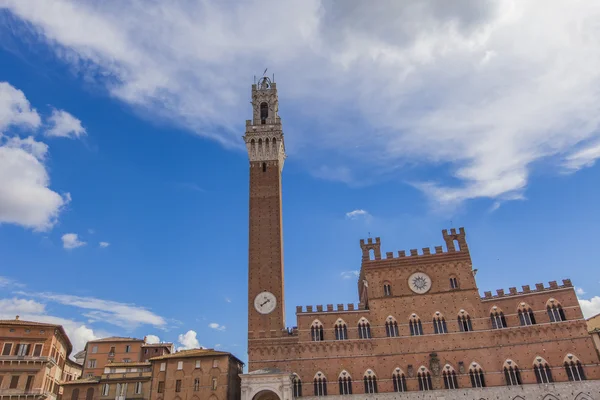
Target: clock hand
[(268, 300)]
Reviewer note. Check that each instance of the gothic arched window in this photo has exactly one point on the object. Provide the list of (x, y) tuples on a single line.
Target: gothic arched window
[(464, 321), (555, 311), (370, 381), (316, 331), (574, 368), (399, 380), (424, 378), (543, 374), (391, 327), (449, 375), (364, 329), (453, 282), (296, 386), (526, 316), (416, 328), (476, 375), (439, 323), (264, 112), (387, 289), (341, 330), (512, 373), (497, 318), (345, 383), (320, 384), (75, 394)]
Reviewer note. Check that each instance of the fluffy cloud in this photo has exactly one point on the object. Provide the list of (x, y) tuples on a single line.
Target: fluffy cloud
[(63, 124), (215, 326), (127, 316), (71, 241), (482, 90), (350, 274), (151, 339), (10, 283), (104, 244), (357, 214), (590, 307), (579, 291), (188, 340), (25, 196)]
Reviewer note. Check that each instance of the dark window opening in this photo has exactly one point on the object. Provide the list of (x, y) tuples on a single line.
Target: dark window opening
[(264, 113), (264, 166)]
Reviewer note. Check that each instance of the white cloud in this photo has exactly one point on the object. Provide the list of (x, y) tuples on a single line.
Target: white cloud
[(8, 282), (63, 124), (478, 89), (15, 306), (357, 214), (590, 307), (127, 316), (151, 339), (579, 291), (104, 244), (215, 326), (25, 196), (350, 274), (188, 340), (217, 345), (227, 299), (71, 241)]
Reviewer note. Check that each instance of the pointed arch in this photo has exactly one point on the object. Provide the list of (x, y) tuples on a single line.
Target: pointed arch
[(477, 376), (316, 331), (511, 373), (439, 323), (424, 378), (415, 325), (370, 381), (497, 318), (526, 314), (583, 396), (449, 375), (340, 329), (345, 382), (464, 321), (364, 329), (550, 396), (555, 311), (391, 327), (296, 385), (399, 380), (543, 373), (574, 368), (320, 384)]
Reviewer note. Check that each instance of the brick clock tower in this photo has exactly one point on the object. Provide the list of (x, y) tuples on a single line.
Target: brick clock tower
[(266, 152)]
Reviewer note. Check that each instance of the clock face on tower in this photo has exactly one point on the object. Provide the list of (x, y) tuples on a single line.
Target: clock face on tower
[(419, 282), (265, 302)]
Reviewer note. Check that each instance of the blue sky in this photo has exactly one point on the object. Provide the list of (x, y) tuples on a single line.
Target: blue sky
[(124, 181)]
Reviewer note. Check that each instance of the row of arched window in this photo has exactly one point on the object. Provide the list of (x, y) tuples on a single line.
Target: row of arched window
[(512, 376), (498, 321)]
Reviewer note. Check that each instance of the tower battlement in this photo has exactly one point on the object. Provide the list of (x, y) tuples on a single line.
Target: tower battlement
[(526, 289)]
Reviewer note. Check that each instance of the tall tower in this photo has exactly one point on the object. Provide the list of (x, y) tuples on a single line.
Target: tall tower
[(266, 151)]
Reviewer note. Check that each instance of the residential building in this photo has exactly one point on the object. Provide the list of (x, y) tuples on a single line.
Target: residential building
[(593, 325), (420, 324), (99, 353)]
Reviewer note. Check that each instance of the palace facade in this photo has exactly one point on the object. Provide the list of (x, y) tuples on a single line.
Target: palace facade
[(420, 329)]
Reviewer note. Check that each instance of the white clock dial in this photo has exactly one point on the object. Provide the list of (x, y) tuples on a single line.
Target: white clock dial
[(419, 282), (265, 302)]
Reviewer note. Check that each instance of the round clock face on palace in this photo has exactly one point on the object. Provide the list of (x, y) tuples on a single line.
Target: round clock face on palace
[(265, 302), (419, 282)]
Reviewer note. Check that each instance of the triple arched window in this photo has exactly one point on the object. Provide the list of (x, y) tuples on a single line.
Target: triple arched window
[(370, 381), (364, 329), (296, 386), (399, 380), (439, 323), (526, 315), (341, 330), (391, 327), (316, 331), (320, 384), (543, 374), (345, 383), (573, 368), (464, 321), (512, 373), (416, 328), (476, 375), (497, 318), (555, 311), (424, 378), (450, 379)]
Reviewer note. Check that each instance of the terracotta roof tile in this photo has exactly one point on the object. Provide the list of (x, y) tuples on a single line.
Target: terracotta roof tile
[(82, 381), (193, 353), (116, 339)]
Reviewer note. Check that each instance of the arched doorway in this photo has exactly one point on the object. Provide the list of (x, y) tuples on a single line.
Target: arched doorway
[(266, 395)]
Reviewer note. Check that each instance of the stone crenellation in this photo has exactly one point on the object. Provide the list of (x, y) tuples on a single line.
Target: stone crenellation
[(526, 289), (330, 308)]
